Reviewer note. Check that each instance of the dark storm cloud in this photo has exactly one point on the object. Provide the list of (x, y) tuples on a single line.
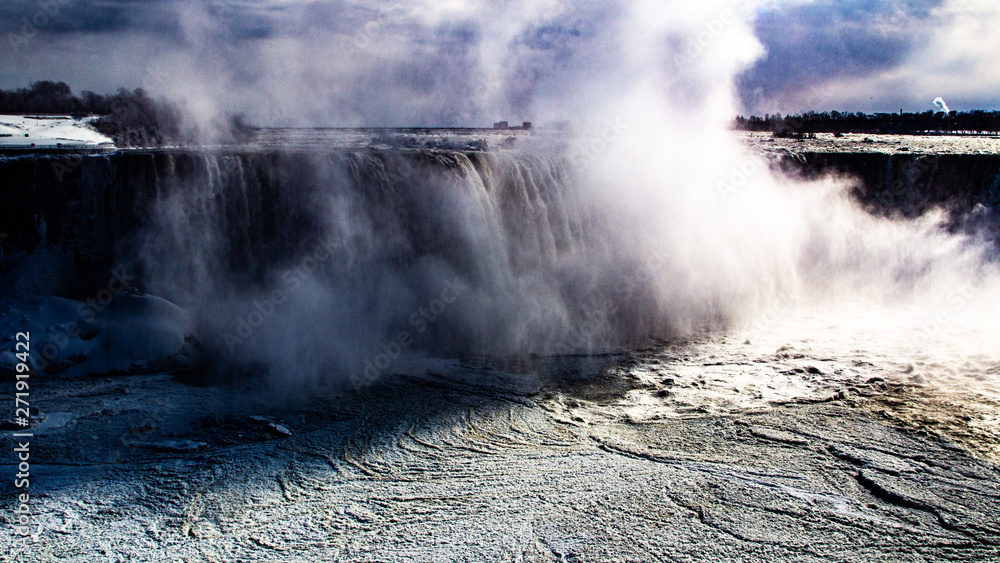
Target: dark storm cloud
[(103, 16), (827, 40), (161, 18)]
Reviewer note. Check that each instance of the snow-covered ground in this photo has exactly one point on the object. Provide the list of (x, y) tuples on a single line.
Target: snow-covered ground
[(50, 133), (865, 143), (126, 333), (469, 463)]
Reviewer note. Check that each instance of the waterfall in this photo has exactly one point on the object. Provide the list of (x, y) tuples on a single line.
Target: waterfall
[(316, 260), (358, 242)]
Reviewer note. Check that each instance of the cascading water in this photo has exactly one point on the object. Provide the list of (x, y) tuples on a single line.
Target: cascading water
[(359, 243), (315, 261)]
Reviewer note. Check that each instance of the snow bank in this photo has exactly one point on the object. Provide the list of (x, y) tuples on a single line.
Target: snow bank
[(132, 334), (19, 132)]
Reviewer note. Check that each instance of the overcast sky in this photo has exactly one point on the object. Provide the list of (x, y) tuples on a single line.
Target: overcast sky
[(876, 55), (466, 62)]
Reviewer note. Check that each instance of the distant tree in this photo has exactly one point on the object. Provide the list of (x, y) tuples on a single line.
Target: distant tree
[(131, 118), (135, 119), (811, 122)]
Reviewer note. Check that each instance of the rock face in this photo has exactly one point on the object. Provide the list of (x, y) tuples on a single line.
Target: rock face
[(909, 184)]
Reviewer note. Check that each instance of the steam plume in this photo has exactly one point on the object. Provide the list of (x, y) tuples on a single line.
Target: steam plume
[(649, 220)]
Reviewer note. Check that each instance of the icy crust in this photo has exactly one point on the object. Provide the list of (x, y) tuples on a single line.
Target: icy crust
[(146, 468), (131, 334), (870, 143)]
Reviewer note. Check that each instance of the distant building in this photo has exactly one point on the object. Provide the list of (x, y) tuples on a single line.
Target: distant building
[(506, 125)]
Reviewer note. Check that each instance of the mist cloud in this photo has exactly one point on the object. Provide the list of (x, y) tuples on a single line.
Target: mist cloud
[(328, 63), (474, 62)]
